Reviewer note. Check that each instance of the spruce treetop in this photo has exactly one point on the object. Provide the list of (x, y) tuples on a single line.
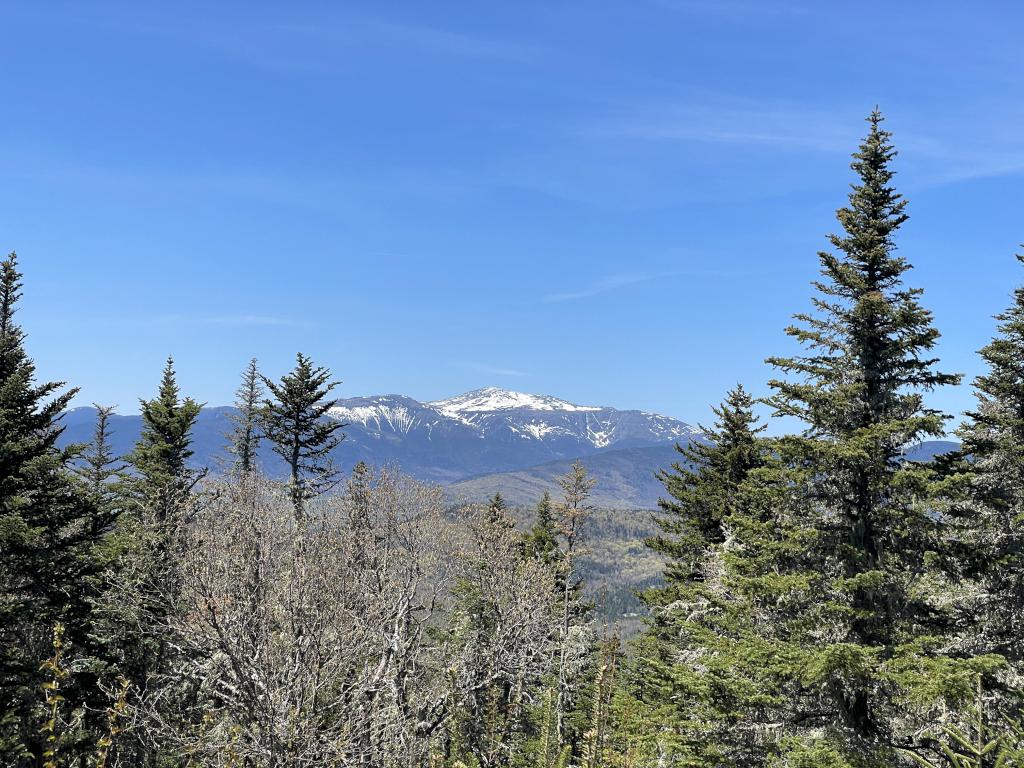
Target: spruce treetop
[(29, 412), (869, 338), (702, 488), (1004, 380), (164, 447), (295, 419), (245, 437), (542, 540)]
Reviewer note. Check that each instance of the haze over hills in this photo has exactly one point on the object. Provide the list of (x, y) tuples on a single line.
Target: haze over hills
[(626, 478)]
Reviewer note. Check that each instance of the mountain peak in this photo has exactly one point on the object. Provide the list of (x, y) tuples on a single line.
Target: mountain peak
[(491, 399)]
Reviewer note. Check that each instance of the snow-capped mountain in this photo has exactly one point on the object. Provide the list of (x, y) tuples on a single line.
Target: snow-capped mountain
[(491, 438), (481, 432), (495, 399), (511, 423)]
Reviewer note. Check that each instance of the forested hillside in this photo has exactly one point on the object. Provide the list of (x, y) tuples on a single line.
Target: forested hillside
[(847, 593)]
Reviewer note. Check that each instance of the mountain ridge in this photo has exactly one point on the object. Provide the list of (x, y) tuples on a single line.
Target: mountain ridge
[(484, 431), (476, 443)]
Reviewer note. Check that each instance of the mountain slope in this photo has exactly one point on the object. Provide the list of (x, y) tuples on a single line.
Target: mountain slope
[(626, 478)]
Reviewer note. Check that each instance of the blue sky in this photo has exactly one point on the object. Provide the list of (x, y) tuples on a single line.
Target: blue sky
[(613, 202)]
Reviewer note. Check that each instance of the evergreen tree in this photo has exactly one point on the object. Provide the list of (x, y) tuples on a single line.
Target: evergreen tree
[(487, 727), (47, 541), (835, 554), (542, 540), (296, 422), (987, 506), (575, 643), (100, 469), (245, 437), (102, 476), (164, 448), (702, 492), (682, 674), (595, 751), (148, 579), (359, 507), (358, 496), (498, 513)]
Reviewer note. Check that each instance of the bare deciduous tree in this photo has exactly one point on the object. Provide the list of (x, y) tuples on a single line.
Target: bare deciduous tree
[(340, 638)]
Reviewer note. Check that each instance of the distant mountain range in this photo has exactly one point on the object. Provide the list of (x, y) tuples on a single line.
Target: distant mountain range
[(476, 443), (482, 432)]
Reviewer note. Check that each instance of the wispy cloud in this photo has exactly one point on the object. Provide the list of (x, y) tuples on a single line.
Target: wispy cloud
[(604, 285), (950, 164), (496, 370), (233, 321), (444, 41), (329, 43), (793, 126), (615, 282), (932, 146)]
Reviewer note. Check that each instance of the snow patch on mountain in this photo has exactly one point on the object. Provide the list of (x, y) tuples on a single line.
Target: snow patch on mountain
[(503, 417), (538, 429), (392, 413), (490, 399)]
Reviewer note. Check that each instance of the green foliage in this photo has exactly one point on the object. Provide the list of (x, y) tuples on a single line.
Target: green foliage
[(685, 673), (983, 490), (813, 754), (974, 745), (294, 420), (542, 540), (102, 473), (832, 541), (702, 493), (245, 436), (51, 536), (164, 448)]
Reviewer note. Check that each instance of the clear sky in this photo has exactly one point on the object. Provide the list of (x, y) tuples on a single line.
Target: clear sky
[(618, 203)]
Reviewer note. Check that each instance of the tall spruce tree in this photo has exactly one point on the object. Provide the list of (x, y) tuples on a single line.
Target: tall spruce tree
[(683, 676), (295, 421), (164, 447), (100, 469), (835, 554), (986, 513), (360, 487), (702, 491), (245, 436), (47, 541), (149, 579), (497, 512), (573, 511)]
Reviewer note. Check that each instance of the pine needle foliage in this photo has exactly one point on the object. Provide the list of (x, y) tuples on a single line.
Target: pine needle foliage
[(162, 453), (294, 420), (48, 541), (245, 436), (837, 548)]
